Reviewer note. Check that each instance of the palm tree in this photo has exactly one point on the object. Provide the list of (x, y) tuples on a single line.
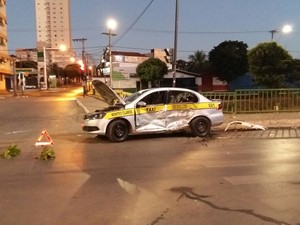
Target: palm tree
[(198, 62)]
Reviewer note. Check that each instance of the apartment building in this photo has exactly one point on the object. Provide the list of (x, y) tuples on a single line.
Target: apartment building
[(26, 54), (53, 29), (6, 73)]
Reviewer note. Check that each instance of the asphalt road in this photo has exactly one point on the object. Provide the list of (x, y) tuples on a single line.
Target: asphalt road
[(248, 177)]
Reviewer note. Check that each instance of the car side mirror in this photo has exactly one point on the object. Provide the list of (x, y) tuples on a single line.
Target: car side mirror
[(141, 104)]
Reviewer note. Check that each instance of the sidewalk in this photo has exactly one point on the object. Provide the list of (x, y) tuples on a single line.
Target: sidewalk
[(39, 93), (268, 120)]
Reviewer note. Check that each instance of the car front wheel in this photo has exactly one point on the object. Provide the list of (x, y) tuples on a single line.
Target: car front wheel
[(117, 131), (200, 126)]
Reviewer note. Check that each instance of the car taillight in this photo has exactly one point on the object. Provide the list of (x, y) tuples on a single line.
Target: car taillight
[(220, 106)]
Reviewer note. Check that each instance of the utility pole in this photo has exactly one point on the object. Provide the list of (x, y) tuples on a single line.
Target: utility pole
[(82, 40), (13, 62), (84, 78), (111, 25), (175, 43), (272, 34), (90, 58)]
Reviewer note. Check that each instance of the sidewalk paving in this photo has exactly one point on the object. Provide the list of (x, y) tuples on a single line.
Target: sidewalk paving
[(268, 120)]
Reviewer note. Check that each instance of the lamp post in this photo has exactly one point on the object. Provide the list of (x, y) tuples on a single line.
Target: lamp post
[(175, 43), (61, 48), (13, 62), (111, 25), (286, 29), (15, 78), (83, 56)]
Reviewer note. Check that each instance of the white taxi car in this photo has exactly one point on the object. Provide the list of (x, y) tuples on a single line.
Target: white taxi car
[(155, 110)]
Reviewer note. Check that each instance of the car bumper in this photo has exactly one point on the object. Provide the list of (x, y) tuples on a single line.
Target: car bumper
[(216, 119), (97, 126)]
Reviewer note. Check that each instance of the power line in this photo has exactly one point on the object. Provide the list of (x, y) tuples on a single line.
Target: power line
[(200, 32), (155, 30), (136, 20)]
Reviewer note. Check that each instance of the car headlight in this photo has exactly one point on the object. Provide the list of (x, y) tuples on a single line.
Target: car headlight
[(94, 116)]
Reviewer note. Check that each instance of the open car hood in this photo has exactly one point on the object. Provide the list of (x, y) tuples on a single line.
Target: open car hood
[(107, 95)]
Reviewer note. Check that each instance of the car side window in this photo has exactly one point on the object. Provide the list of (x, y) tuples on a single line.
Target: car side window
[(181, 96), (155, 98)]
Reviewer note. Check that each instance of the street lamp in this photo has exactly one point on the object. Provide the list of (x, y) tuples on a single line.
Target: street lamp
[(111, 25), (13, 61), (286, 29), (61, 48), (175, 43)]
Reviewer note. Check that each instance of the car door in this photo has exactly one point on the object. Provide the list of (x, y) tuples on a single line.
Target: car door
[(150, 113), (181, 107)]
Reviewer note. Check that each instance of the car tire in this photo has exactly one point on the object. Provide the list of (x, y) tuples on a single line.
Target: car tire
[(200, 126), (118, 131)]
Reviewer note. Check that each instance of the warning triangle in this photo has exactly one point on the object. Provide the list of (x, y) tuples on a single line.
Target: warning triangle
[(44, 135)]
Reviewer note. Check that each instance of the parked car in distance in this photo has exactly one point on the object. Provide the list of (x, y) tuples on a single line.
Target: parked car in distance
[(149, 111)]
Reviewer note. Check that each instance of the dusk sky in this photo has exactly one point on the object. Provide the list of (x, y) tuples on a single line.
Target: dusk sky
[(203, 24)]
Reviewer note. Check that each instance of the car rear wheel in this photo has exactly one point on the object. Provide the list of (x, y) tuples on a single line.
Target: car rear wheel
[(117, 131), (200, 126)]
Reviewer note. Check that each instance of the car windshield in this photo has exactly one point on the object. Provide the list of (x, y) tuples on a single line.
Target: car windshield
[(134, 96)]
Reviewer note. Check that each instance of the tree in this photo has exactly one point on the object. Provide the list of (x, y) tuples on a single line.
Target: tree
[(229, 60), (294, 77), (181, 64), (72, 71), (270, 65), (152, 70), (56, 70), (198, 63)]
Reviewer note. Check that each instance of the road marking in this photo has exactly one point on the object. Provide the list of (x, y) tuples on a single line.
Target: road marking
[(17, 132), (254, 179), (81, 105)]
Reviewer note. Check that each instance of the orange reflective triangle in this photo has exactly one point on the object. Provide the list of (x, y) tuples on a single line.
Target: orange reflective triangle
[(44, 135)]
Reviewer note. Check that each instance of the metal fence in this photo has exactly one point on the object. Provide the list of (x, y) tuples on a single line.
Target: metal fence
[(258, 100)]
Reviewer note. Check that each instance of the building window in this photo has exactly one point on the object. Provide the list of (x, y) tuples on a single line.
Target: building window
[(2, 42), (3, 60)]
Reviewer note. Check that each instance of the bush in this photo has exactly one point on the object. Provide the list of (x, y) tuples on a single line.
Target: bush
[(11, 151), (47, 153)]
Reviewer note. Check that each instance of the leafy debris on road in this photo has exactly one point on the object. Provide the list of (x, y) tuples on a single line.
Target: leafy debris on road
[(11, 151), (47, 153)]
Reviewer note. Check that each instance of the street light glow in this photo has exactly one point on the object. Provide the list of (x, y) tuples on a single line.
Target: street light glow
[(63, 48), (287, 29), (111, 24)]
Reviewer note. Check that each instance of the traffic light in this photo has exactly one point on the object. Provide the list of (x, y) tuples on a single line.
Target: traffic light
[(104, 63), (169, 55), (106, 54)]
